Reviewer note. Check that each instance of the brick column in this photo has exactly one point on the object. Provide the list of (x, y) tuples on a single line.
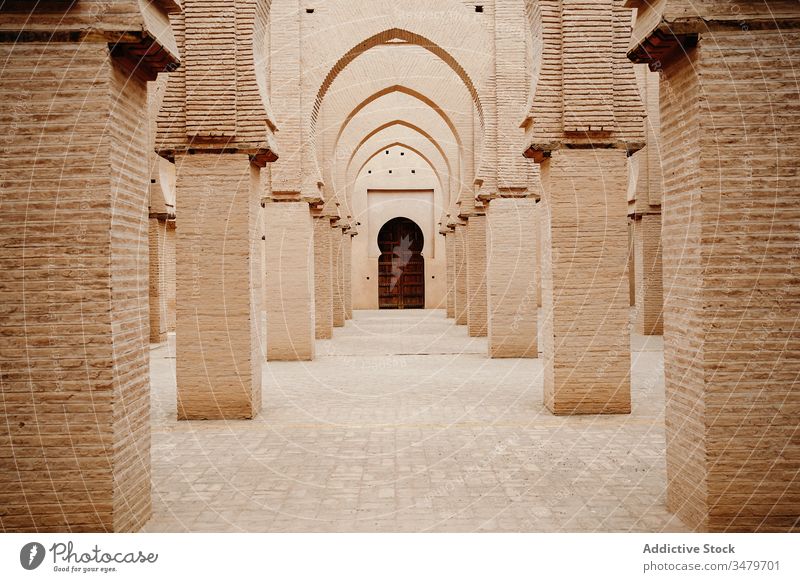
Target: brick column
[(460, 278), (536, 229), (731, 254), (157, 237), (450, 254), (74, 353), (323, 277), (218, 290), (348, 275), (219, 140), (511, 279), (169, 273), (290, 281), (644, 207), (476, 275), (337, 256), (649, 295), (631, 264), (584, 282)]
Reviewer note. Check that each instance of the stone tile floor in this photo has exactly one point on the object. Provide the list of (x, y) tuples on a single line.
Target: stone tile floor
[(402, 424)]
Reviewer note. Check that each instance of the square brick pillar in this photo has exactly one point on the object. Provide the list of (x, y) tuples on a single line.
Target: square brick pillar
[(169, 273), (731, 253), (323, 277), (348, 276), (157, 237), (450, 257), (632, 270), (74, 351), (218, 287), (649, 294), (476, 276), (584, 282), (536, 229), (460, 277), (291, 326), (511, 278), (337, 256)]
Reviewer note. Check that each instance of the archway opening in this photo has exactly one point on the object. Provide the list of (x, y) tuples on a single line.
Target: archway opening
[(401, 266)]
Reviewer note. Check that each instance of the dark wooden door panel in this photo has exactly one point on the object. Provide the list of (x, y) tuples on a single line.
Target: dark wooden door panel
[(401, 267)]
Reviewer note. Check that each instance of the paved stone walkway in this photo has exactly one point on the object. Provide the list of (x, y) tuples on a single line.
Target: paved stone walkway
[(402, 424)]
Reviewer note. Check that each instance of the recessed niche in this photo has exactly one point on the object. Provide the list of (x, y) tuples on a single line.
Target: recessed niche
[(309, 11), (479, 8)]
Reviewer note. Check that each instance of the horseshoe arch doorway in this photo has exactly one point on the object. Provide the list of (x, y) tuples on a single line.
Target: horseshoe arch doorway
[(401, 266)]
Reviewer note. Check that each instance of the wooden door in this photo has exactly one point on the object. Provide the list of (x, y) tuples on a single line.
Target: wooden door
[(401, 266)]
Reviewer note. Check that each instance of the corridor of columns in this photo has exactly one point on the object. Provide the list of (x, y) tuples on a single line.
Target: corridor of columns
[(402, 424), (294, 265)]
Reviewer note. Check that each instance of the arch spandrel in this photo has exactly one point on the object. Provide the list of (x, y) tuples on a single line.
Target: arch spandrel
[(346, 30), (393, 107), (388, 126)]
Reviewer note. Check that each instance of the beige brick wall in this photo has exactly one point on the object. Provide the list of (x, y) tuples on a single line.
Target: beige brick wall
[(731, 259), (73, 277), (476, 276), (511, 279), (218, 288), (649, 296), (290, 281), (585, 282)]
